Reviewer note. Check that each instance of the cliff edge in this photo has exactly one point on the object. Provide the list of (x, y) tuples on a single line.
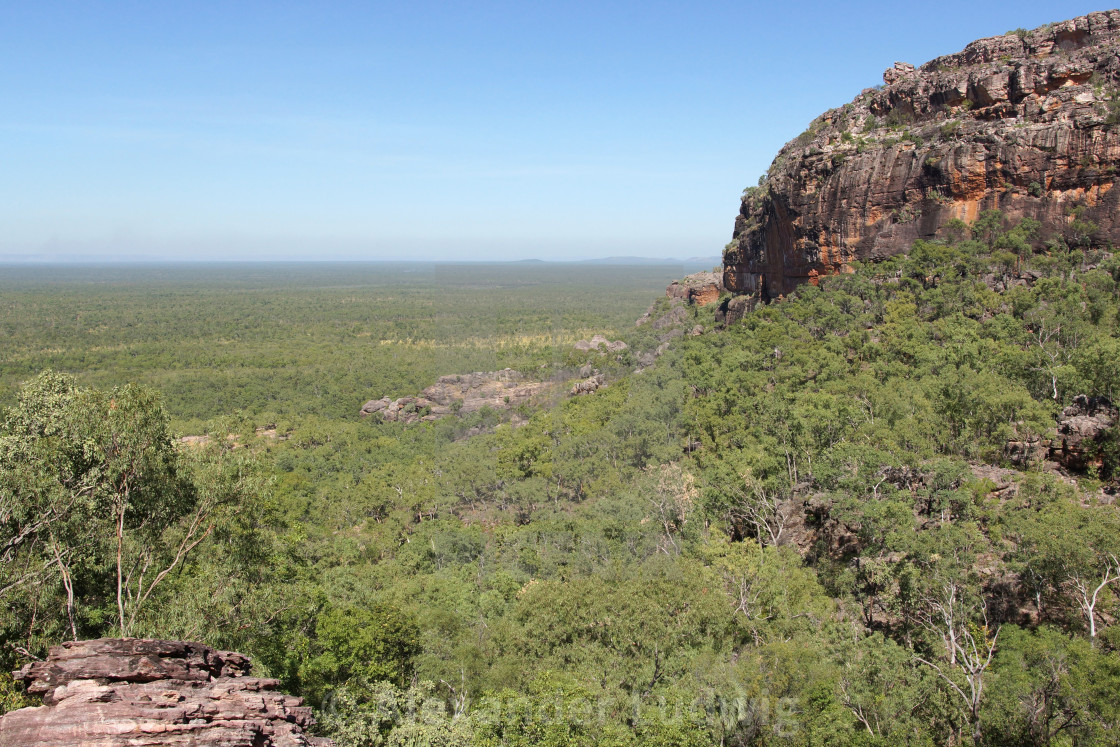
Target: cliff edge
[(1027, 123)]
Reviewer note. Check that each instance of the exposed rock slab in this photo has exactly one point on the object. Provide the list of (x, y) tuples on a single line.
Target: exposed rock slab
[(1026, 123), (114, 692), (1079, 435)]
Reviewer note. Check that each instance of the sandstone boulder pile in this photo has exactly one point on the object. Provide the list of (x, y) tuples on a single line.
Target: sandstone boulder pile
[(1078, 439), (601, 345)]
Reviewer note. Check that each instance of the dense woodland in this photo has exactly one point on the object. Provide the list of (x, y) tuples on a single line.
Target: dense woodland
[(287, 340), (804, 527)]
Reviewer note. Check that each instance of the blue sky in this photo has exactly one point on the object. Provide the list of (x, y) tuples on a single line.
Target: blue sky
[(415, 130)]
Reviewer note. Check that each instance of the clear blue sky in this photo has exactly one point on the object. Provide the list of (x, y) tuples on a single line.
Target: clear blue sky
[(370, 130)]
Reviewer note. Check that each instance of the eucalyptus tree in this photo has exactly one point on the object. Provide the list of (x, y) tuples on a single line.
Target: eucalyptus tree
[(99, 504)]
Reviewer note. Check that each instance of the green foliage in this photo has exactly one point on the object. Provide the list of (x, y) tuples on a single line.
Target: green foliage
[(98, 506), (772, 535), (898, 119), (913, 137), (359, 646), (385, 714), (1048, 690), (810, 133), (1080, 232), (950, 129), (12, 695), (988, 227), (279, 342), (1068, 554)]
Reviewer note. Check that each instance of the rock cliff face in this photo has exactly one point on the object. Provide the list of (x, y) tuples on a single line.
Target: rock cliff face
[(114, 692), (1026, 123)]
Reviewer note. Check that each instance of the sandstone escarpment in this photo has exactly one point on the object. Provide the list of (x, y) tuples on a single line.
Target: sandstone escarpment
[(114, 692), (1026, 123)]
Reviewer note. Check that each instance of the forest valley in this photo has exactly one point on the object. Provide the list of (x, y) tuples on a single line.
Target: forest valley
[(850, 517)]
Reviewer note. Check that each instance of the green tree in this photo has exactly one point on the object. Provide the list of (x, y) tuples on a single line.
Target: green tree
[(361, 646), (1071, 553), (98, 505), (1051, 688), (988, 227)]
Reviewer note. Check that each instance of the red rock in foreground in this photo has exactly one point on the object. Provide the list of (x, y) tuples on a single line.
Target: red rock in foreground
[(114, 692)]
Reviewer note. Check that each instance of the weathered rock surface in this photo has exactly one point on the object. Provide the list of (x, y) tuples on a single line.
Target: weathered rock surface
[(698, 289), (1076, 446), (114, 692), (701, 288), (1025, 123), (463, 393), (673, 318), (588, 385), (1078, 437), (738, 307)]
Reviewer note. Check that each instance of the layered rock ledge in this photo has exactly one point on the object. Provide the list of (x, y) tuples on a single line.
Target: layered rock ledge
[(113, 692), (1027, 123)]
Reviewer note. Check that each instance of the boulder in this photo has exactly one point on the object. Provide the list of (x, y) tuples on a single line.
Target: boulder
[(588, 385), (375, 405), (675, 316)]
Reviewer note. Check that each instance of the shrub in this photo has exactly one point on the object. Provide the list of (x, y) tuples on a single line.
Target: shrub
[(950, 129)]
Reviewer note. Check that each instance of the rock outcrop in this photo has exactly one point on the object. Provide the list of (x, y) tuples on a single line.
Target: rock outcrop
[(1079, 437), (587, 386), (459, 393), (1077, 444), (114, 692), (1026, 123), (701, 288), (601, 345)]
